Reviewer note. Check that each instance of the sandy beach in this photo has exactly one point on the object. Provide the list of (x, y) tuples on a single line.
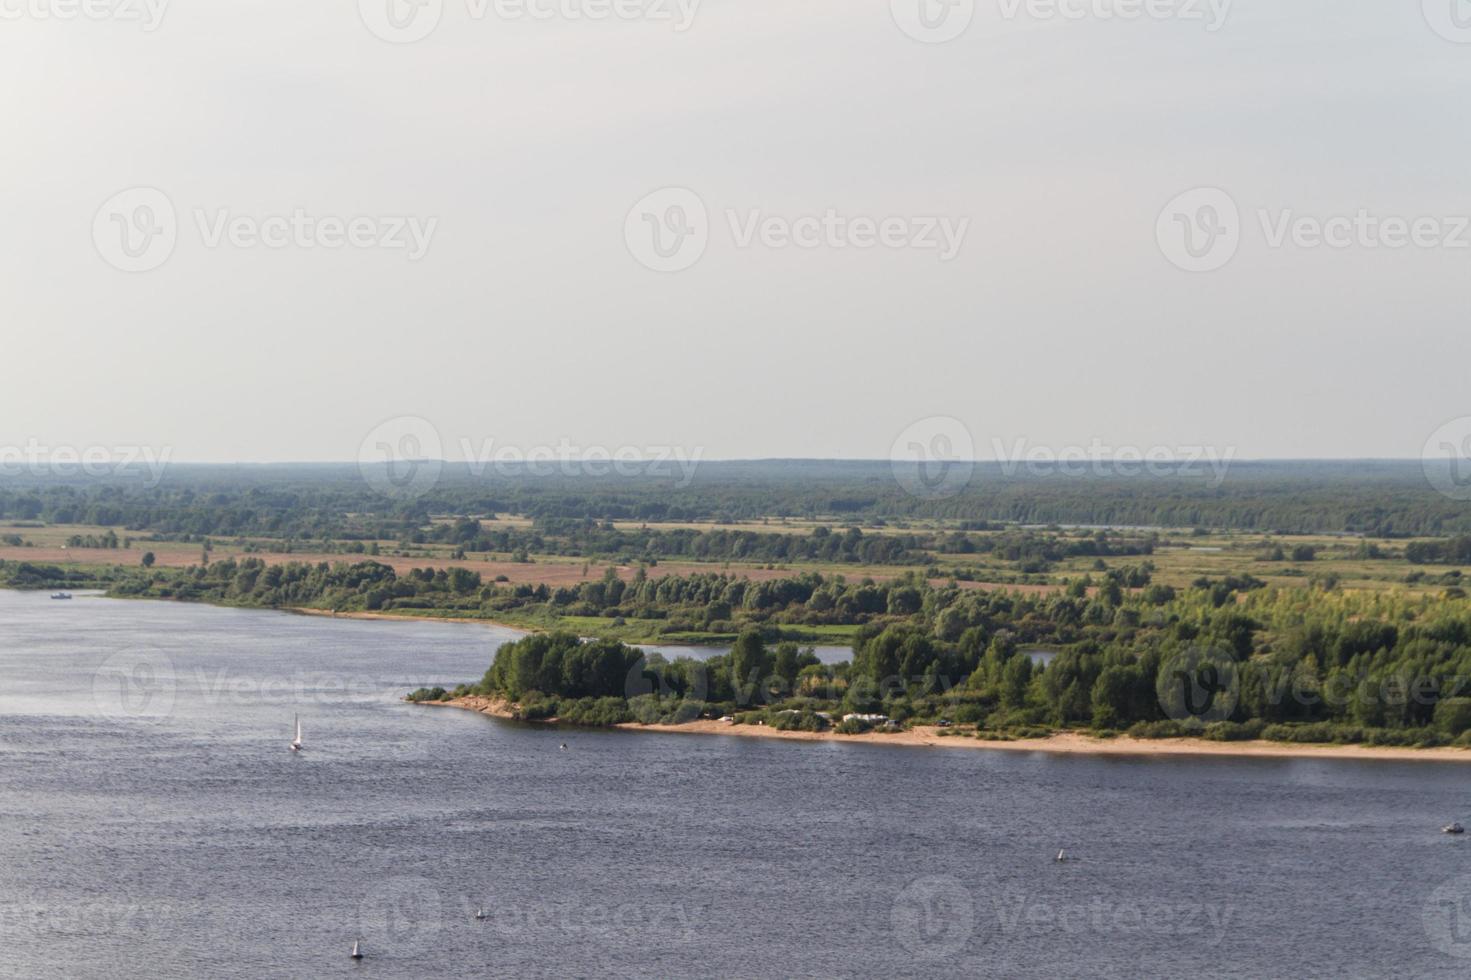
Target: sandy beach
[(1062, 744)]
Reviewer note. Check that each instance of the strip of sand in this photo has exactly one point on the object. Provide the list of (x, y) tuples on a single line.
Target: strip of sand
[(1067, 743)]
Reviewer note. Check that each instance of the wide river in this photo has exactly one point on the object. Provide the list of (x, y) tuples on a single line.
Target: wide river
[(153, 823)]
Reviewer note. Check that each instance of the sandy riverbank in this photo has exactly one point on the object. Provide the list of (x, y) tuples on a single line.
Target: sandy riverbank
[(1062, 744), (411, 618)]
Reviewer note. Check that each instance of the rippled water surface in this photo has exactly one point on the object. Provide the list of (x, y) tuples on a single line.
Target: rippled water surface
[(153, 823)]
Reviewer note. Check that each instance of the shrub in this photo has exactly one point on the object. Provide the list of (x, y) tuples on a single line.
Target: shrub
[(1157, 729), (595, 712), (1453, 715), (1230, 731)]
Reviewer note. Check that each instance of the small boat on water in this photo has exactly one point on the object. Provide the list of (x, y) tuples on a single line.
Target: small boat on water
[(61, 595), (357, 954), (480, 915), (1061, 857), (296, 742), (1453, 828)]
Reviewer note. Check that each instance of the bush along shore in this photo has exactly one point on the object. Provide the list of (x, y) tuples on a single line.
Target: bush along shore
[(1225, 659), (1200, 680)]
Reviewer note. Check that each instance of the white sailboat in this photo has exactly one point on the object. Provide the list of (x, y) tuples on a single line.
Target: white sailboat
[(296, 742), (1061, 856), (356, 953)]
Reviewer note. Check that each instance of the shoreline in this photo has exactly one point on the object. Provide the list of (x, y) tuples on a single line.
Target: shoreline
[(1062, 743), (1065, 743), (412, 618)]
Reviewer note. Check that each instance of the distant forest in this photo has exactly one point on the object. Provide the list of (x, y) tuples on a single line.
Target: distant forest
[(1382, 499)]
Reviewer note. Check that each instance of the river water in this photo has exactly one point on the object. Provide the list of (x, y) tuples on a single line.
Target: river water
[(154, 823)]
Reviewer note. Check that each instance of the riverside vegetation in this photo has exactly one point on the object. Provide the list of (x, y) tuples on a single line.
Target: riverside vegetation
[(1306, 602)]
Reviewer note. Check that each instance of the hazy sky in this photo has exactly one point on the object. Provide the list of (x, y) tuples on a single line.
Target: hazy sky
[(518, 146)]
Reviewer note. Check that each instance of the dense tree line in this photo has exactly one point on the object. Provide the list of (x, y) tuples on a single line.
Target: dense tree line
[(1302, 665), (1229, 658), (332, 501)]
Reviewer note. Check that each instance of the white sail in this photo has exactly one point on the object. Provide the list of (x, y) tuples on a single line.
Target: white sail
[(297, 743)]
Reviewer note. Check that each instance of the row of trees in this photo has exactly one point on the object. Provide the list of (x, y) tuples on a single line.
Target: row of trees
[(312, 502)]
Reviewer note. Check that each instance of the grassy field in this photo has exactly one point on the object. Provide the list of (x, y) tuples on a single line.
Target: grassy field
[(1179, 558)]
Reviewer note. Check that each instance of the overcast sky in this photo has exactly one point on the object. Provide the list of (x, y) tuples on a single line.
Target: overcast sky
[(1057, 312)]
